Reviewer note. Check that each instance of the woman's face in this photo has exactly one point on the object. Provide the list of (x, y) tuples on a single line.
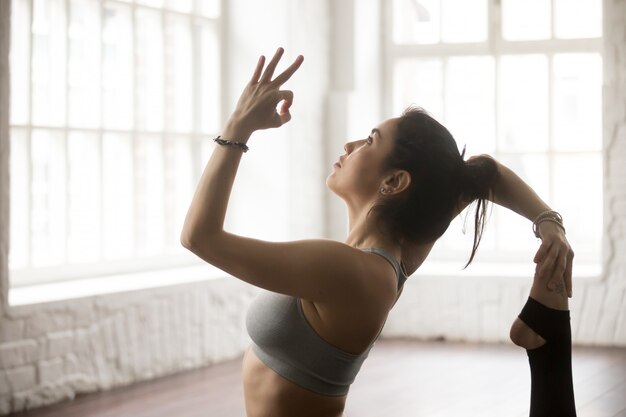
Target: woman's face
[(358, 174)]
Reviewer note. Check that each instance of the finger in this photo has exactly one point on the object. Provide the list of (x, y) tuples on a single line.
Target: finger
[(283, 115), (257, 70), (546, 266), (286, 74), (269, 71), (557, 277), (287, 97), (280, 119), (543, 249), (284, 118)]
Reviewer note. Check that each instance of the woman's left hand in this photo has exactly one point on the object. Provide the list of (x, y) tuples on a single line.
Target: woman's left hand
[(554, 258), (256, 108)]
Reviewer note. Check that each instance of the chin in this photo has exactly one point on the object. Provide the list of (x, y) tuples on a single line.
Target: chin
[(333, 187), (329, 185)]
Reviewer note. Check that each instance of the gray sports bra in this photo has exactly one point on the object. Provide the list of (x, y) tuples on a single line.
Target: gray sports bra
[(286, 342)]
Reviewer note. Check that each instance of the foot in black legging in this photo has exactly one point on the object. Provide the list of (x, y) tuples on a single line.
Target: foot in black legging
[(545, 333)]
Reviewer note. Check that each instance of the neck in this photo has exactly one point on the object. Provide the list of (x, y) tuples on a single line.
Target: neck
[(363, 232)]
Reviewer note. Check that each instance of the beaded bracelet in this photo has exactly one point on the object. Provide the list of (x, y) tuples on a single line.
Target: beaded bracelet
[(231, 143), (549, 216)]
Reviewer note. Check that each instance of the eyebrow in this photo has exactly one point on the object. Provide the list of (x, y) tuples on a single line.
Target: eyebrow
[(377, 131)]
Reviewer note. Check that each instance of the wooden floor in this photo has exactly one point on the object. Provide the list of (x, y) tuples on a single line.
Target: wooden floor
[(400, 378)]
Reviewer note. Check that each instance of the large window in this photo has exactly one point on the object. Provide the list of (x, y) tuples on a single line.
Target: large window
[(517, 79), (112, 105)]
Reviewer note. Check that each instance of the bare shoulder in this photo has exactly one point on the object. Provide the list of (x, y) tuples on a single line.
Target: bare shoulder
[(352, 321)]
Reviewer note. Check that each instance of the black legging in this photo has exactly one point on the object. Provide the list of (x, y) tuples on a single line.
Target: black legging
[(552, 389)]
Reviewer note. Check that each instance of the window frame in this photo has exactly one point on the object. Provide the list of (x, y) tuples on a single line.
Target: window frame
[(495, 46), (30, 275)]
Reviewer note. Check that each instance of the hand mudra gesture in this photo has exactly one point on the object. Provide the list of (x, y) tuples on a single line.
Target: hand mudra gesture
[(257, 106)]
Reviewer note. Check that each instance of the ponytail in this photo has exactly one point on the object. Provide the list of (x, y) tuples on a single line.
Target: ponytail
[(478, 175), (440, 179)]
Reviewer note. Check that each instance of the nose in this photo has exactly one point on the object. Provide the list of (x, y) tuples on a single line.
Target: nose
[(349, 146)]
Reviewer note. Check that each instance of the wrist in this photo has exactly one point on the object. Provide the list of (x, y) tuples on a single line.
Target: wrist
[(546, 222), (549, 227), (236, 130)]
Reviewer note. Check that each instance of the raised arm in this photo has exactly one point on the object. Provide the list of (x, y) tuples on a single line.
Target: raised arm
[(319, 270), (554, 257)]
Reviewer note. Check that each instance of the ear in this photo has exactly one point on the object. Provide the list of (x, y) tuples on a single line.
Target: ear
[(397, 182)]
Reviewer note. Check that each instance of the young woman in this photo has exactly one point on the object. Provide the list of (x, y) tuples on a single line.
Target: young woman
[(328, 301)]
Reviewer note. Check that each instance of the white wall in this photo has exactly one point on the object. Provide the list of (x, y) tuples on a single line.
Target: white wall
[(53, 351)]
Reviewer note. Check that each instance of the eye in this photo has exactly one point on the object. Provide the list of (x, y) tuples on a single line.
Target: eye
[(370, 140)]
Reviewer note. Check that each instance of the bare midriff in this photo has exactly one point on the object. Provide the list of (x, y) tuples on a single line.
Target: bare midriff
[(268, 394)]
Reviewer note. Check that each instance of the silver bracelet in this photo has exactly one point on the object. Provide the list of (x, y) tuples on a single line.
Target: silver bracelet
[(550, 216), (231, 143)]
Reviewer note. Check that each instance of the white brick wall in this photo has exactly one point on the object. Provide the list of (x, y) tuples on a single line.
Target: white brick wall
[(161, 331), (54, 351)]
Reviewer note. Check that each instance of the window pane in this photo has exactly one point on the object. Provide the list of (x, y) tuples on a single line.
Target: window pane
[(523, 87), (149, 69), (464, 20), (514, 232), (179, 74), (578, 196), (577, 102), (577, 18), (525, 20), (117, 67), (152, 3), (84, 197), (48, 198), (179, 185), (84, 64), (460, 236), (49, 62), (89, 184), (183, 6), (416, 21), (118, 205), (469, 101), (418, 81), (149, 195), (209, 80), (209, 8), (19, 56), (19, 167)]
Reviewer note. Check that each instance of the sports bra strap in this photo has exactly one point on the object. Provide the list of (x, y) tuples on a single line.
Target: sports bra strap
[(393, 261)]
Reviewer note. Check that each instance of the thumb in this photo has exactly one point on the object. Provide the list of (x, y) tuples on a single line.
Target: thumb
[(287, 100), (284, 118)]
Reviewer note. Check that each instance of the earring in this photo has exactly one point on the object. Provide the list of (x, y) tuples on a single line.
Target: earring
[(383, 191)]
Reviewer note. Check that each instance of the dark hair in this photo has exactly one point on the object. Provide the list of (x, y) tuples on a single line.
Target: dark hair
[(440, 180)]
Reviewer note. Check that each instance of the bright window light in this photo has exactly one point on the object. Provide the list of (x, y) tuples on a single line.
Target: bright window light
[(111, 105), (522, 81)]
